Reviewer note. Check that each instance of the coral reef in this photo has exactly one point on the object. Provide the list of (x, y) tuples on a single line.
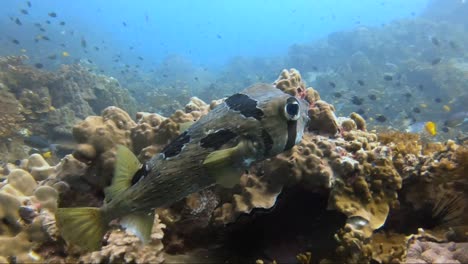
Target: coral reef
[(48, 104), (362, 184), (368, 70), (27, 209), (124, 247)]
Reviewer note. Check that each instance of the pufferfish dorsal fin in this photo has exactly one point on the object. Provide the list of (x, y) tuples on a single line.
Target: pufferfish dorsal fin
[(226, 164), (126, 165)]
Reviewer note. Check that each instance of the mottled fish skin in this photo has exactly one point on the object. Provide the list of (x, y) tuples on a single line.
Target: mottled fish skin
[(256, 115)]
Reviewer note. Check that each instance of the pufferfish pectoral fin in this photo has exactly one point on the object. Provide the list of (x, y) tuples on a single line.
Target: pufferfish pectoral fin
[(139, 224), (226, 164), (126, 165)]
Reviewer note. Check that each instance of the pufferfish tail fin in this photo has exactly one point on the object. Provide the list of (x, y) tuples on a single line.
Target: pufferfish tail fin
[(84, 226), (126, 166)]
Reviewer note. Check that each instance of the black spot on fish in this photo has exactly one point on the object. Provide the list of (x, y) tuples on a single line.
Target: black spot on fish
[(361, 82), (332, 84), (435, 41), (53, 14), (245, 105), (337, 94), (141, 173), (381, 118), (267, 142), (373, 97), (356, 100), (436, 61), (217, 139), (437, 100), (175, 147), (388, 77), (38, 65), (416, 110)]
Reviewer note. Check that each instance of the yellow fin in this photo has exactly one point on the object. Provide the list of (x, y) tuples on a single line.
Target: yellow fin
[(83, 226), (126, 165), (220, 158), (226, 164), (140, 224), (184, 126)]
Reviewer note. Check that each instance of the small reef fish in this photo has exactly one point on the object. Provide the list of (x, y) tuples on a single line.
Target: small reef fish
[(250, 126), (427, 128), (53, 14), (456, 119), (436, 61), (435, 41), (431, 128), (65, 54)]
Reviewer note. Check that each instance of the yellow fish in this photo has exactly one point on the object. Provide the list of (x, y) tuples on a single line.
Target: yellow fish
[(431, 128), (65, 54), (446, 108), (47, 154), (423, 105)]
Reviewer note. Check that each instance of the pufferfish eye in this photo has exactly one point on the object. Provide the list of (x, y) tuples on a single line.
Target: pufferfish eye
[(291, 109)]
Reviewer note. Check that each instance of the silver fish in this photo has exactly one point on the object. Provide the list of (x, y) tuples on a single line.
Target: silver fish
[(250, 126)]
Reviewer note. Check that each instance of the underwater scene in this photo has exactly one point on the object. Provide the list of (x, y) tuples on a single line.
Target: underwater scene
[(326, 131)]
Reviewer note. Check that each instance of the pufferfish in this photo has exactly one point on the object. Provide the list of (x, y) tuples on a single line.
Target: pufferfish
[(250, 126)]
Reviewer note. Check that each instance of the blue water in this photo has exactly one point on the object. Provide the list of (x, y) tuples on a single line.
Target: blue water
[(206, 32)]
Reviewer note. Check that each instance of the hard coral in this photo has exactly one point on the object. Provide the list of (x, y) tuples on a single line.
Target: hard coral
[(26, 210), (11, 117), (124, 247), (98, 136)]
